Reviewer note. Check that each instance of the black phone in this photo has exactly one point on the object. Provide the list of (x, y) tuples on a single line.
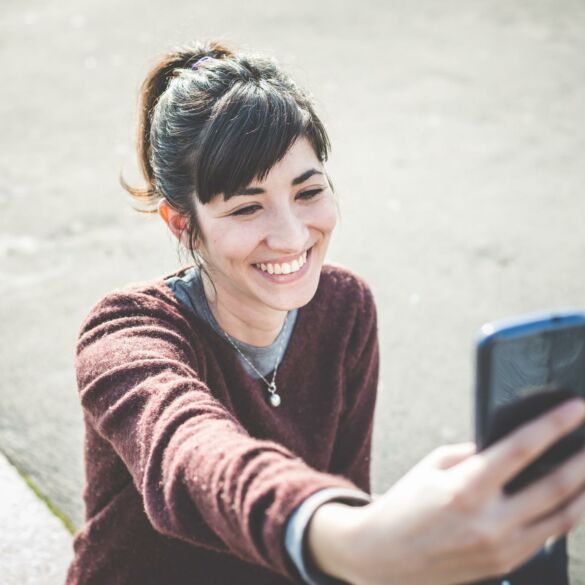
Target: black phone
[(526, 365)]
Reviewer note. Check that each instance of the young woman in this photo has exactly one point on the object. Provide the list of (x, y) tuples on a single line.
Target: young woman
[(229, 405)]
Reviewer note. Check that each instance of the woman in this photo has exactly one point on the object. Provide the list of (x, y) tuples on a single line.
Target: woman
[(229, 405)]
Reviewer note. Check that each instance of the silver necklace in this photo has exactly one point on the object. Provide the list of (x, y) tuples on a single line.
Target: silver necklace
[(275, 398)]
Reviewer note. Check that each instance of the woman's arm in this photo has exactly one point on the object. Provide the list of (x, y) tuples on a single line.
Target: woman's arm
[(331, 536), (297, 530)]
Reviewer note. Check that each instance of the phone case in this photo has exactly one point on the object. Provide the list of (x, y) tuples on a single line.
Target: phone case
[(526, 365)]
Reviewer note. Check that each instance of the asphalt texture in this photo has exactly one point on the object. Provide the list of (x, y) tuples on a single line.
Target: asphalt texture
[(458, 147)]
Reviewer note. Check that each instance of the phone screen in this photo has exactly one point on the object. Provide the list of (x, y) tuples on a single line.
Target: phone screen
[(521, 376)]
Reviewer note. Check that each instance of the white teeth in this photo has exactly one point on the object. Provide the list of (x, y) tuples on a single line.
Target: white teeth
[(284, 268)]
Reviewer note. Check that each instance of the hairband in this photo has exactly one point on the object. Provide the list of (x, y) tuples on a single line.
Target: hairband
[(194, 65)]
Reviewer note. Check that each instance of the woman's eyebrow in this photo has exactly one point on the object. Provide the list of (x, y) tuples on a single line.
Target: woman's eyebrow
[(296, 181)]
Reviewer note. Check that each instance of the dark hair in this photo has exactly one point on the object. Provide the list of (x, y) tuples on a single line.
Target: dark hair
[(214, 129)]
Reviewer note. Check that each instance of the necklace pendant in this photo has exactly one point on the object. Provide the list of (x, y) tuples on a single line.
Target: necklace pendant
[(275, 400)]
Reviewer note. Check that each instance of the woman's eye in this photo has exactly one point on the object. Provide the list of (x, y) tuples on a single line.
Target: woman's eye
[(246, 210), (252, 208), (310, 194)]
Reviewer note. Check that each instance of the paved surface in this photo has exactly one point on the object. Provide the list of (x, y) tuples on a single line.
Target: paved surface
[(33, 542), (458, 145)]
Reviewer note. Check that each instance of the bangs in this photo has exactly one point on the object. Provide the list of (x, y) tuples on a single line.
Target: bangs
[(250, 130)]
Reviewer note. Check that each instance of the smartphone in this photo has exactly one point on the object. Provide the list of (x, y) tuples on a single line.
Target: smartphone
[(526, 365)]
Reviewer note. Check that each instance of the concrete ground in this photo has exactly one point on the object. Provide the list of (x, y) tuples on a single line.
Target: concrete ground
[(34, 544), (458, 147)]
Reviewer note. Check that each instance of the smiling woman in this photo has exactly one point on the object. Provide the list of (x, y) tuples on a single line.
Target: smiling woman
[(203, 465)]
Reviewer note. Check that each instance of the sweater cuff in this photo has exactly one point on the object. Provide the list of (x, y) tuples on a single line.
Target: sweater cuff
[(297, 525)]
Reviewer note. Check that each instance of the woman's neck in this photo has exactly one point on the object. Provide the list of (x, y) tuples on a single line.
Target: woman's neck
[(259, 329)]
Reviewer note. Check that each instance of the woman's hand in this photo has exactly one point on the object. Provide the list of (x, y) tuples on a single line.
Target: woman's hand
[(448, 521)]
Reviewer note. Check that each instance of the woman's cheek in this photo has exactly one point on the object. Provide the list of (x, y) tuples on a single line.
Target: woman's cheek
[(239, 241), (327, 215)]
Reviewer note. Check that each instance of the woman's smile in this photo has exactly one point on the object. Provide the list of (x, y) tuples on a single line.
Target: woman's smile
[(285, 272)]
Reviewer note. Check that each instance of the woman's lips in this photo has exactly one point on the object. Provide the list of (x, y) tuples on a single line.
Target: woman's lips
[(286, 278)]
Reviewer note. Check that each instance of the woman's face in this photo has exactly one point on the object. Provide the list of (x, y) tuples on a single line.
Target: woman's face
[(278, 222)]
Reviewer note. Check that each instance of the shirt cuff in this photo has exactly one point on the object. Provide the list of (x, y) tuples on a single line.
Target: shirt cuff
[(297, 525)]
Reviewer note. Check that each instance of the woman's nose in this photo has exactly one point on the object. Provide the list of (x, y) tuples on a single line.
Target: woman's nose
[(288, 233)]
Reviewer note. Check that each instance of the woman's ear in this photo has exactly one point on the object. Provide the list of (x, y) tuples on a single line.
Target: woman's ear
[(176, 222)]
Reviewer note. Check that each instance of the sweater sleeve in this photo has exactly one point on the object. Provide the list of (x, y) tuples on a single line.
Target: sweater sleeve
[(202, 477), (353, 445), (296, 531)]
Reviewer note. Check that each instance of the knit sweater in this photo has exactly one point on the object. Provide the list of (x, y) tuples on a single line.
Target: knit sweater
[(191, 475), (260, 361)]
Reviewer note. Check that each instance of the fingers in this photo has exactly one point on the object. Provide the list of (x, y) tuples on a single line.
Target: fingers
[(499, 463), (548, 493), (558, 523)]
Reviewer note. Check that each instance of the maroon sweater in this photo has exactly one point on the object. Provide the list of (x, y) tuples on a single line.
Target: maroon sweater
[(191, 475)]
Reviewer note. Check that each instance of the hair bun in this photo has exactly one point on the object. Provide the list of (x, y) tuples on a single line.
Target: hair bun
[(203, 49)]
